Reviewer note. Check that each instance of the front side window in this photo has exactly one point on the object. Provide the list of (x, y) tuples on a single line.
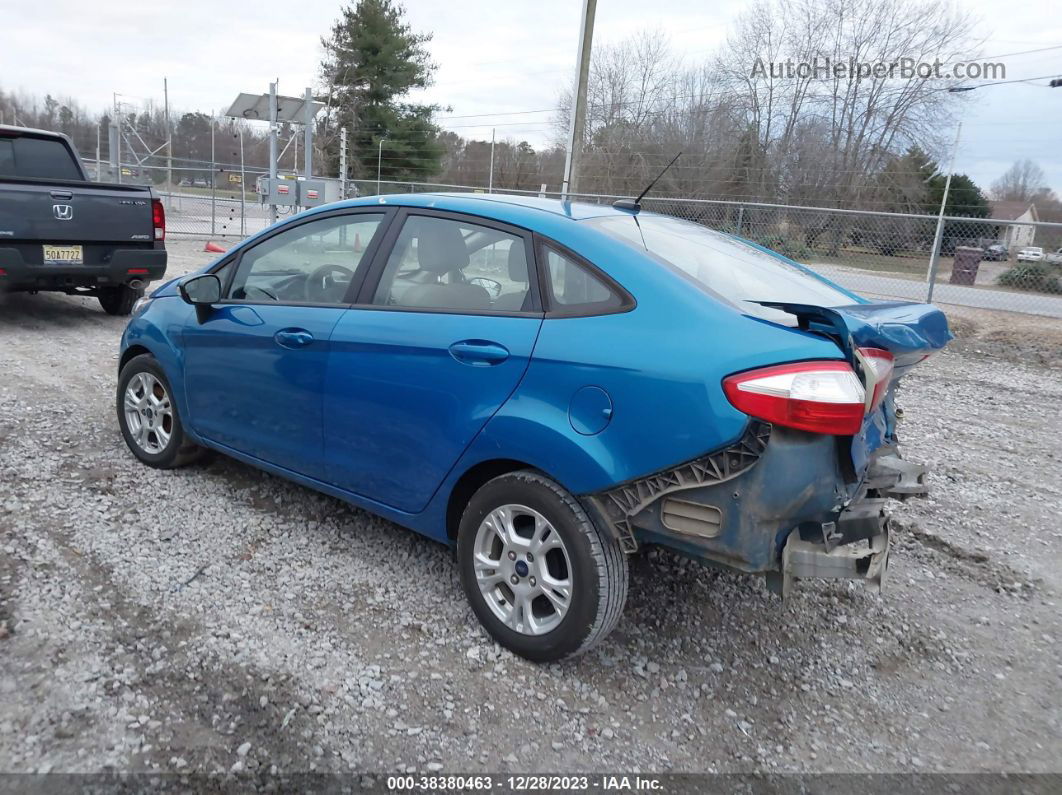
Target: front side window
[(310, 263), (441, 263), (724, 265)]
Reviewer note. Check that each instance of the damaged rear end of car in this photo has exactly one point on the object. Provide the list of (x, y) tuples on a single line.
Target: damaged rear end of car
[(802, 492)]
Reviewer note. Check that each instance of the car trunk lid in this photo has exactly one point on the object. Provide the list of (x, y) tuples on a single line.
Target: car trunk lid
[(911, 332)]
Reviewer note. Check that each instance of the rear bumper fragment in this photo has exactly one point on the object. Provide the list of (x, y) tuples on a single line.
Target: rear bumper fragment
[(866, 559)]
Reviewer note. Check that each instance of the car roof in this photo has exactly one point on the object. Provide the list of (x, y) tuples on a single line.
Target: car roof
[(490, 204), (12, 129)]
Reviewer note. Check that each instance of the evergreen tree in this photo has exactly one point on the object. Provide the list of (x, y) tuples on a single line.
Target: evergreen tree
[(373, 59)]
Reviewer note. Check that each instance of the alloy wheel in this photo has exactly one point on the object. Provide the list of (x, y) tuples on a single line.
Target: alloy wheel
[(148, 413), (523, 569)]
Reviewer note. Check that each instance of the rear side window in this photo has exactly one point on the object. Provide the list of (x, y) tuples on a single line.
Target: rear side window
[(576, 289), (725, 265), (447, 264), (26, 157)]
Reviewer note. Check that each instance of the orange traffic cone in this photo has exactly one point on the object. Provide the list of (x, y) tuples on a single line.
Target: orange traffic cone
[(214, 248)]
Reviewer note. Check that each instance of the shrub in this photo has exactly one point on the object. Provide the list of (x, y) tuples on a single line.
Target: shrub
[(787, 248), (1037, 276)]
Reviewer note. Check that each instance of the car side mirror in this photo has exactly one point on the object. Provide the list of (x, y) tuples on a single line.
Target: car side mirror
[(201, 290)]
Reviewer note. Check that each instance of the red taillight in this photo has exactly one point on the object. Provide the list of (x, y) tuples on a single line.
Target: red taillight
[(136, 271), (877, 372), (158, 219), (822, 397), (3, 272)]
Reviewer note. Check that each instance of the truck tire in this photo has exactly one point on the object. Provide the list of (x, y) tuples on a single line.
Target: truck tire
[(118, 300), (542, 578), (148, 418)]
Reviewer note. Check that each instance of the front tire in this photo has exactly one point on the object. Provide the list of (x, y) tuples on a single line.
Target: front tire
[(542, 578), (119, 299), (148, 418)]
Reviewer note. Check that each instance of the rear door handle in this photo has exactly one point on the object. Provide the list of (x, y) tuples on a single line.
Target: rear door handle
[(293, 338), (479, 352)]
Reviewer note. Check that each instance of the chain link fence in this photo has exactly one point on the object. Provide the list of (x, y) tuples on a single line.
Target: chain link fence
[(1007, 265)]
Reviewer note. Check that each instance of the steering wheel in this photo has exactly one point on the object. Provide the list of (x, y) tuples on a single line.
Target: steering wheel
[(321, 283), (249, 289)]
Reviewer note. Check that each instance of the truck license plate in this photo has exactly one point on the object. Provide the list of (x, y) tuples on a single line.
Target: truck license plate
[(63, 255)]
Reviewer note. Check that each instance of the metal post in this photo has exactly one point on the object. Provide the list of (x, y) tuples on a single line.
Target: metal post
[(213, 179), (99, 165), (307, 132), (490, 180), (577, 123), (243, 190), (934, 255), (342, 162), (116, 151), (169, 132), (272, 149), (379, 165)]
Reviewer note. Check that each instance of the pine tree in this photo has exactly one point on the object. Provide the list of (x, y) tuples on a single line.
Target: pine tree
[(373, 59)]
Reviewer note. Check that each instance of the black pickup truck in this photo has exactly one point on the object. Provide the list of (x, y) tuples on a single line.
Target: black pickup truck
[(61, 232)]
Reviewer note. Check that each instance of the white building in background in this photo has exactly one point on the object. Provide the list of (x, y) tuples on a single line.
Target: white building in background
[(1020, 234)]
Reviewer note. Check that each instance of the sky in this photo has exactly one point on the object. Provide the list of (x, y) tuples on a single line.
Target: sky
[(496, 57)]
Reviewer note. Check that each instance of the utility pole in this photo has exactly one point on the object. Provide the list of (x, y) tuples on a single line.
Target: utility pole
[(169, 132), (577, 123), (272, 149), (490, 180), (934, 255), (99, 165)]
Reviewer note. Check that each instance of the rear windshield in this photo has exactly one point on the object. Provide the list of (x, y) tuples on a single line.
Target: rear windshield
[(724, 265), (26, 157)]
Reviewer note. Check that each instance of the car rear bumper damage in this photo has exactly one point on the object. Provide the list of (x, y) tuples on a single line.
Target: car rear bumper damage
[(781, 502)]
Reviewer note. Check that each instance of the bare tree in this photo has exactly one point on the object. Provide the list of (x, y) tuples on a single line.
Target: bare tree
[(1021, 182), (824, 130)]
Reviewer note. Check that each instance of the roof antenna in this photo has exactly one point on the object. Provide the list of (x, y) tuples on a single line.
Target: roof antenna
[(634, 205)]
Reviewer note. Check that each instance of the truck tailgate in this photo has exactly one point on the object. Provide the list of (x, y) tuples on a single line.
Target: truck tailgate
[(82, 212)]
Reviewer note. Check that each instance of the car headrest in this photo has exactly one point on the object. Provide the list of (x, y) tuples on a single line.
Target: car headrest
[(518, 261), (440, 245), (447, 296)]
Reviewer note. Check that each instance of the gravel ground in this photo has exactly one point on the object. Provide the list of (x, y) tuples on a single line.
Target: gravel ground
[(216, 618)]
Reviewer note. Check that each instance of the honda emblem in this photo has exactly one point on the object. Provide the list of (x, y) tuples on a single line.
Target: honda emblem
[(63, 212)]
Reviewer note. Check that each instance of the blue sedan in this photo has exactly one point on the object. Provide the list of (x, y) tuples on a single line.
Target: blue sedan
[(549, 387)]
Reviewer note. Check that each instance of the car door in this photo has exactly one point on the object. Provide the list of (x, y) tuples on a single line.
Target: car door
[(255, 363), (442, 333)]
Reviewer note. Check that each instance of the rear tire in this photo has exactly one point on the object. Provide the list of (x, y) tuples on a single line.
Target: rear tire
[(118, 300), (559, 582), (148, 418)]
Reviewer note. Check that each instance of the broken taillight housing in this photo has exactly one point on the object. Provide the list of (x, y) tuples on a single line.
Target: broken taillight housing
[(821, 396), (877, 373)]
